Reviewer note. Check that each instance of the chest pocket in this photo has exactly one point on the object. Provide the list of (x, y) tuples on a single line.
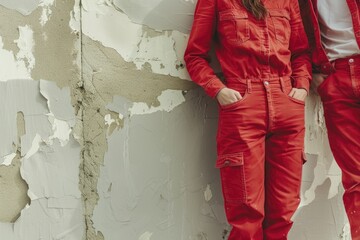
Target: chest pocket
[(280, 19), (233, 26)]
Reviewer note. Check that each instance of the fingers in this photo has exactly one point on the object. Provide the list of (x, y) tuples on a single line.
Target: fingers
[(292, 92), (298, 93), (317, 79), (228, 96), (237, 95)]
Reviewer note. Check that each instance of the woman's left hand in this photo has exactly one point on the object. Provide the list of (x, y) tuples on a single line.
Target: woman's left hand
[(298, 93)]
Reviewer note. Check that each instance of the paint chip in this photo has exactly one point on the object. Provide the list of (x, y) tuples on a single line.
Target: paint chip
[(7, 160), (146, 236), (208, 193), (108, 120), (26, 45)]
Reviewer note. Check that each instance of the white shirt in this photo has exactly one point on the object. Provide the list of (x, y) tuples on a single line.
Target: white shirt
[(337, 32)]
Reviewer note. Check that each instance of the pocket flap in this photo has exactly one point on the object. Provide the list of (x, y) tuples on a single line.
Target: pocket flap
[(230, 160), (232, 14), (279, 13)]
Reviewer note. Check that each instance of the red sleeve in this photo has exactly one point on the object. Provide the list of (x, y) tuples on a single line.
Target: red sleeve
[(300, 52), (199, 44)]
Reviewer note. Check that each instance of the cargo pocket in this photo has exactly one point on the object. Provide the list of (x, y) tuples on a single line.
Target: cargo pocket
[(233, 177)]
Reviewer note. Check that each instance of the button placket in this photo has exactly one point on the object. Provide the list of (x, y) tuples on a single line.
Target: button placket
[(269, 103)]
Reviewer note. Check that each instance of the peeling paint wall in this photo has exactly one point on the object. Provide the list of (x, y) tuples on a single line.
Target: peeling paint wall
[(105, 137), (40, 147)]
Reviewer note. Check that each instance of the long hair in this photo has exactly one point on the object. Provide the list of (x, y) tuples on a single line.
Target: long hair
[(256, 7)]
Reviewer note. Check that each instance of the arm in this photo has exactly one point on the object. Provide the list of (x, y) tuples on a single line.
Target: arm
[(300, 52), (196, 54)]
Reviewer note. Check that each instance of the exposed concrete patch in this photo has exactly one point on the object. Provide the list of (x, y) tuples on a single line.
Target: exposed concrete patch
[(10, 32), (54, 49), (13, 188), (57, 48), (168, 100), (12, 191), (110, 75)]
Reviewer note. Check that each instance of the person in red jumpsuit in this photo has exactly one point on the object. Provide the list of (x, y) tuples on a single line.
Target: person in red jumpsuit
[(333, 28), (263, 52)]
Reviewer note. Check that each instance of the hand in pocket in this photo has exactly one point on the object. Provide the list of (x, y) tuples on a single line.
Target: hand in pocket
[(227, 96)]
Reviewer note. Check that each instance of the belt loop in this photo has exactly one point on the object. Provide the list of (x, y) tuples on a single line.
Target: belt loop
[(282, 84), (248, 85)]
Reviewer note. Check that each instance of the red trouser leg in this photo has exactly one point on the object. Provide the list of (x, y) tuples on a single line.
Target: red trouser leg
[(284, 159), (340, 94), (265, 128)]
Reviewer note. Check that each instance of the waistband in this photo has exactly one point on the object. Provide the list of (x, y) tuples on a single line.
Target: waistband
[(342, 63), (271, 80), (259, 83)]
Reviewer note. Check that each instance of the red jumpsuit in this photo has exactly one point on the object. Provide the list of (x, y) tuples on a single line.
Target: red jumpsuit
[(340, 94), (260, 138)]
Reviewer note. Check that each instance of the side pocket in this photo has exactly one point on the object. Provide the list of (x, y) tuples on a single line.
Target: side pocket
[(234, 104), (233, 177), (297, 100), (286, 89)]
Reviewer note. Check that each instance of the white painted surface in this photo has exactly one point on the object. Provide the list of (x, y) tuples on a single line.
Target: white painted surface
[(156, 171), (164, 53), (160, 14), (10, 67), (50, 167), (25, 7), (7, 160), (26, 44)]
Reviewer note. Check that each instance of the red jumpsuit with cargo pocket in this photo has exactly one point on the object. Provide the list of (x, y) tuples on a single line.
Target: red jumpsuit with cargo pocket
[(260, 138), (340, 95)]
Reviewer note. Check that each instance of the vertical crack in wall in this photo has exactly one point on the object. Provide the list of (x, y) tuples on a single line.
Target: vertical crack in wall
[(90, 162)]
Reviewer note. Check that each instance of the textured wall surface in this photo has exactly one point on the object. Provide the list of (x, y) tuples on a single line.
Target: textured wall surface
[(103, 136)]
